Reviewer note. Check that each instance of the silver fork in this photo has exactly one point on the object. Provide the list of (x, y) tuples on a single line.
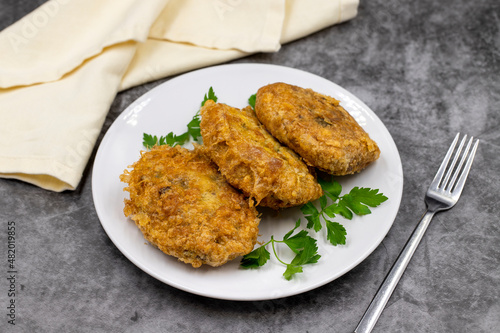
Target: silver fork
[(443, 193)]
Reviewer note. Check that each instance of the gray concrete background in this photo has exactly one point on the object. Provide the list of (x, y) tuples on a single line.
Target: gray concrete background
[(429, 69)]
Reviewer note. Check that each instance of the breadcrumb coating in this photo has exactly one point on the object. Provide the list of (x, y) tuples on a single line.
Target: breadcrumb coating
[(316, 127), (184, 206), (253, 161)]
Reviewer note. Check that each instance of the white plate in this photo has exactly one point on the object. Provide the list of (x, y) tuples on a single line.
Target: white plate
[(169, 107)]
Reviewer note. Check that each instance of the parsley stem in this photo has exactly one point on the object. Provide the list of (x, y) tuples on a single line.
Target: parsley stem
[(274, 250)]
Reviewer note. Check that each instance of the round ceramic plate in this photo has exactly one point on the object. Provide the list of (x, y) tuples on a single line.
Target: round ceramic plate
[(169, 107)]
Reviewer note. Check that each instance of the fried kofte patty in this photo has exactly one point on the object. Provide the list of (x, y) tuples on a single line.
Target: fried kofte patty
[(253, 161), (316, 127), (184, 206)]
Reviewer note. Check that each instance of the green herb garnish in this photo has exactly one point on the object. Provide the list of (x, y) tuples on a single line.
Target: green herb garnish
[(356, 201), (303, 245), (209, 96), (251, 101)]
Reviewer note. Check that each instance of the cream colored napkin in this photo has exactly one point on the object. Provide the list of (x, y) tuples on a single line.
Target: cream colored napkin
[(62, 65)]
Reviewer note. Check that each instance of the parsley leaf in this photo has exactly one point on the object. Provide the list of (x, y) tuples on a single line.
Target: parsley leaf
[(193, 129), (256, 258), (306, 253), (309, 209), (367, 196), (312, 215), (355, 205), (149, 140), (331, 188), (309, 252), (336, 233), (209, 96), (356, 202), (291, 270), (251, 101), (338, 208), (298, 241), (288, 234), (303, 245)]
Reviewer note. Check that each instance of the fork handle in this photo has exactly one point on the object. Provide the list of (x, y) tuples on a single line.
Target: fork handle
[(378, 303)]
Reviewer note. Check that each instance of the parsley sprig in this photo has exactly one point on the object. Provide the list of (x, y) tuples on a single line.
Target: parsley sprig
[(303, 245), (251, 100), (193, 129), (355, 202)]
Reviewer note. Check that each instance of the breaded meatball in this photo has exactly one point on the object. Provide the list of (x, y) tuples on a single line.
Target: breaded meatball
[(184, 206), (316, 127), (253, 161)]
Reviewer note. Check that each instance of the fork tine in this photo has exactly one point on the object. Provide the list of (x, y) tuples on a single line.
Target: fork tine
[(450, 185), (465, 172), (439, 175), (452, 166)]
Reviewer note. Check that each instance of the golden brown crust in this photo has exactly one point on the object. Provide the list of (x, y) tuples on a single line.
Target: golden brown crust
[(316, 127), (253, 161), (183, 205)]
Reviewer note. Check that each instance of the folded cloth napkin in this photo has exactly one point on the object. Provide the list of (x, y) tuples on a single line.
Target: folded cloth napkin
[(62, 65)]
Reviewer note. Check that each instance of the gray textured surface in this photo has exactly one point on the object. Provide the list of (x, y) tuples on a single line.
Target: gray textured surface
[(428, 69)]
